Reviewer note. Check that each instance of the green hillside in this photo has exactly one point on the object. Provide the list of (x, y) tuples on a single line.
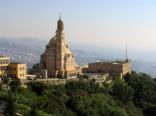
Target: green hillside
[(134, 96)]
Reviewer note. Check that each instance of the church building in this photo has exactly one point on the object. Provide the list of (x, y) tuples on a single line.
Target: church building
[(57, 60)]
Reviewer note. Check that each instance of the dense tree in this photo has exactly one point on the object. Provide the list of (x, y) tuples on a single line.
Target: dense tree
[(134, 96), (7, 101), (36, 69), (150, 111), (5, 80), (37, 87), (15, 84), (144, 91), (122, 91)]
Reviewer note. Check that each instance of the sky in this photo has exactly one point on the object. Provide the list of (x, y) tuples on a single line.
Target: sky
[(112, 23)]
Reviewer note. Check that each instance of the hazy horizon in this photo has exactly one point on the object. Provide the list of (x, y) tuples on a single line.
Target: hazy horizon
[(105, 51), (99, 23)]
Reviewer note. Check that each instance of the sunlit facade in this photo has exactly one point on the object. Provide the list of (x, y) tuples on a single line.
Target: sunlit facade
[(9, 69)]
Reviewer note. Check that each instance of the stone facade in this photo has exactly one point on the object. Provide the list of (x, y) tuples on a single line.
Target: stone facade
[(114, 68), (4, 63), (57, 59), (11, 69), (18, 70)]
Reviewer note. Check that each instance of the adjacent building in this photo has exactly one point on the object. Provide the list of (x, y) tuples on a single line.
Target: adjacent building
[(4, 63), (58, 59), (114, 68), (18, 70), (10, 69)]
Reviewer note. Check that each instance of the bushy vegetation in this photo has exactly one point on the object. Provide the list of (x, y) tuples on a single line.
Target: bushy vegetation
[(133, 96)]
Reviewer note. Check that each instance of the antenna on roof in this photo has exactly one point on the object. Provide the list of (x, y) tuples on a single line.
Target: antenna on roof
[(126, 54), (60, 15)]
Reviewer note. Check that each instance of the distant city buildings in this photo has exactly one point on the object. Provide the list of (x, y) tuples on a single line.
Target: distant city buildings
[(12, 69)]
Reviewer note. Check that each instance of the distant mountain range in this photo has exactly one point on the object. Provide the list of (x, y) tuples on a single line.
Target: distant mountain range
[(28, 50)]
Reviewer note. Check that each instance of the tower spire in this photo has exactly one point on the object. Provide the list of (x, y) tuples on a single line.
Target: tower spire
[(60, 25)]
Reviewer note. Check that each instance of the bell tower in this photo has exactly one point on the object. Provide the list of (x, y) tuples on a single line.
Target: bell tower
[(60, 25), (60, 41)]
